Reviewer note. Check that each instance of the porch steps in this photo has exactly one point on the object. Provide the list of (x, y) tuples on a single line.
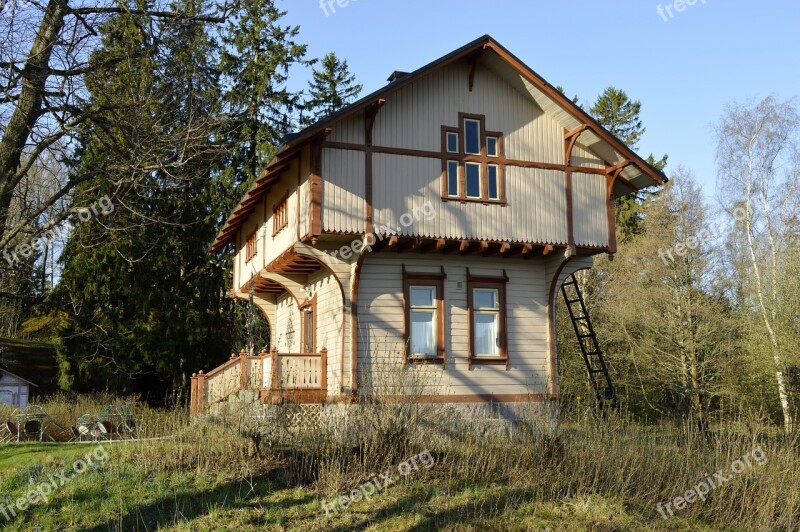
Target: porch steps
[(605, 393)]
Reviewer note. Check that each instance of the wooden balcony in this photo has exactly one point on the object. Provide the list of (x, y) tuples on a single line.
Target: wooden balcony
[(300, 378)]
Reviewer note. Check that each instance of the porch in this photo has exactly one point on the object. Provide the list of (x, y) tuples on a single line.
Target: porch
[(299, 378)]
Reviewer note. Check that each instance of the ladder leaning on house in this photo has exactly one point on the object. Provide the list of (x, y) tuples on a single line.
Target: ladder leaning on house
[(599, 377)]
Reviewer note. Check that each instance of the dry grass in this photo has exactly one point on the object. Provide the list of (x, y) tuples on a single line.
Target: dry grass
[(543, 474)]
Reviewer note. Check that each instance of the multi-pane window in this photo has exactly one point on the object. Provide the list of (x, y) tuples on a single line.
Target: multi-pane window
[(280, 215), (252, 246), (472, 162), (487, 313), (424, 323)]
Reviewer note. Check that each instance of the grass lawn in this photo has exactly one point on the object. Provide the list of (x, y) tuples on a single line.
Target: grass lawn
[(120, 494)]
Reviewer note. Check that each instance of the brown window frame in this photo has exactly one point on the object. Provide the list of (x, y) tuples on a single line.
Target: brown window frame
[(424, 279), (312, 304), (484, 160), (280, 214), (251, 248), (492, 283)]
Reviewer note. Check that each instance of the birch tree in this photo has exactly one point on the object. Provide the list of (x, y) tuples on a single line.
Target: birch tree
[(758, 157)]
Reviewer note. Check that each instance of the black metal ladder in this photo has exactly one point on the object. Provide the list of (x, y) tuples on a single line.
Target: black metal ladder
[(605, 393)]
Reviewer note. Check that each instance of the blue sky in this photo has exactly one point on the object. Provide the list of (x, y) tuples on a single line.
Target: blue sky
[(684, 70)]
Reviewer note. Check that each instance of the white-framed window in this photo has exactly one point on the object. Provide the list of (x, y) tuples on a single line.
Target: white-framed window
[(492, 147), (424, 318), (472, 136), (493, 175), (452, 142), (486, 315), (473, 162), (487, 320), (472, 173), (423, 321), (452, 178)]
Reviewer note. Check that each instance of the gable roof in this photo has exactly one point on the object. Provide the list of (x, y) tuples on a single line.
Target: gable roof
[(596, 137), (4, 370)]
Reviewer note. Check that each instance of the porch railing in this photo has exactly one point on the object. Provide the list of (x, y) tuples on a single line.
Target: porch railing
[(294, 377)]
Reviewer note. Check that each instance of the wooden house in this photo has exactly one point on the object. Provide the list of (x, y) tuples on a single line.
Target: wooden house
[(14, 390), (425, 230)]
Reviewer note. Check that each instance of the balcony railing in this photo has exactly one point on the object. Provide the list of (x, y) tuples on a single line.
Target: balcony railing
[(292, 377)]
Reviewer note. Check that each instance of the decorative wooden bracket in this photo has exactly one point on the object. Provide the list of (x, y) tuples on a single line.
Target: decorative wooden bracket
[(370, 114), (473, 61), (614, 173), (570, 138)]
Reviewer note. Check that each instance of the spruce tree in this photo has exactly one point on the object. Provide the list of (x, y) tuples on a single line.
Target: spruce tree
[(145, 304), (332, 88)]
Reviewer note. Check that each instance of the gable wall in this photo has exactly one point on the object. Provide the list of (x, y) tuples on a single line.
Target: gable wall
[(411, 119)]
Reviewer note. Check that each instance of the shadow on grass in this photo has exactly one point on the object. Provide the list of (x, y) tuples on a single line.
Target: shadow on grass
[(187, 505), (482, 506)]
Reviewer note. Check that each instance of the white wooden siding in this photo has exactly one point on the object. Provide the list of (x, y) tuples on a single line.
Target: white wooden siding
[(582, 156), (329, 323), (287, 331), (536, 210), (305, 191), (343, 191), (589, 210), (275, 245), (271, 247), (350, 130), (381, 318), (412, 117), (13, 391)]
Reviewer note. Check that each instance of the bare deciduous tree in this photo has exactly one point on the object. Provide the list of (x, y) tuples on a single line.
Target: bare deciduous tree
[(45, 56), (758, 153)]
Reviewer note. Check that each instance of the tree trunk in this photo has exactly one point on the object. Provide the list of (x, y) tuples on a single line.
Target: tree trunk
[(29, 105)]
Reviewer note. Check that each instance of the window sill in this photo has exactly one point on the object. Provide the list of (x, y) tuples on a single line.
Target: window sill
[(278, 231), (446, 199), (486, 361), (425, 360)]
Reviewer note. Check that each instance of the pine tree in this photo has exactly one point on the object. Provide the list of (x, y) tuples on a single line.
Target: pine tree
[(332, 88)]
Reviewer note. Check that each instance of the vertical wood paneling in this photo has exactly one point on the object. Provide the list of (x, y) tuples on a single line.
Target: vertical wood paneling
[(589, 210), (305, 193), (412, 117), (329, 323), (287, 334), (536, 210), (350, 130), (343, 190)]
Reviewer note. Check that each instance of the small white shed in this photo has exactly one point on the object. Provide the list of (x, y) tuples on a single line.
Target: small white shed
[(14, 390)]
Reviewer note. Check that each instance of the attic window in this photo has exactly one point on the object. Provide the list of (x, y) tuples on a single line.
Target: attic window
[(473, 169)]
